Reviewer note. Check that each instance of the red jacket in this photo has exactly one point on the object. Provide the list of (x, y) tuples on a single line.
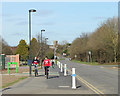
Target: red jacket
[(47, 62)]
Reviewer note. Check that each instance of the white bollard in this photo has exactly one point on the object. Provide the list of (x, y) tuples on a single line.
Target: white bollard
[(65, 70), (59, 64), (73, 79), (61, 68)]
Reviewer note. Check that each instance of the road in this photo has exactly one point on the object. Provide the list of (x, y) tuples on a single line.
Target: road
[(103, 79)]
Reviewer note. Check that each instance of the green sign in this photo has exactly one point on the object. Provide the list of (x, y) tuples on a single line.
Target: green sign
[(9, 64)]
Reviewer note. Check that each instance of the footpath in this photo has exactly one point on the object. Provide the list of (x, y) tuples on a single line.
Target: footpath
[(56, 84)]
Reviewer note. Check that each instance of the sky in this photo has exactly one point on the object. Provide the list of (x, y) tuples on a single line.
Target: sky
[(61, 20)]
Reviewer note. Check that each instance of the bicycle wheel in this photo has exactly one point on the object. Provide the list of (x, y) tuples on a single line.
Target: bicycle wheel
[(35, 73)]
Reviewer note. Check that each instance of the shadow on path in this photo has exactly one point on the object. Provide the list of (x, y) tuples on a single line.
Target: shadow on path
[(39, 76), (53, 77), (6, 88), (78, 87)]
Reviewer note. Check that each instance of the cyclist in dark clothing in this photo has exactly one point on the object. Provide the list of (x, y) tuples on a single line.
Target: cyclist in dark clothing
[(35, 62)]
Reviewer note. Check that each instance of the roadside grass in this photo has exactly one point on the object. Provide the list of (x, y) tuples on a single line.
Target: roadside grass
[(62, 58), (93, 63), (13, 82), (22, 62), (89, 63), (23, 65)]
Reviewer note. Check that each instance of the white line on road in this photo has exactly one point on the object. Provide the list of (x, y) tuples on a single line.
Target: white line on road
[(64, 86)]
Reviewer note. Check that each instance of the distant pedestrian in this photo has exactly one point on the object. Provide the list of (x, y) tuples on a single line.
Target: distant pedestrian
[(53, 63)]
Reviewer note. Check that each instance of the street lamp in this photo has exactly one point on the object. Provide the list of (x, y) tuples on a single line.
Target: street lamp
[(45, 45), (41, 46), (31, 10), (46, 38)]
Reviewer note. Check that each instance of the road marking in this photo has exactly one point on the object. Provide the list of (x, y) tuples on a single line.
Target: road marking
[(88, 84), (91, 86), (64, 86)]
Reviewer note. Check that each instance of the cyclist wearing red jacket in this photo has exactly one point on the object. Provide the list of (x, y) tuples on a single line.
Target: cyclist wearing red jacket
[(46, 64)]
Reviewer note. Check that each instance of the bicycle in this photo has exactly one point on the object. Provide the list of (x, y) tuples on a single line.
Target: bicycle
[(36, 71)]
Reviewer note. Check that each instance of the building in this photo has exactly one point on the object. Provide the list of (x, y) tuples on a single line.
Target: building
[(55, 43)]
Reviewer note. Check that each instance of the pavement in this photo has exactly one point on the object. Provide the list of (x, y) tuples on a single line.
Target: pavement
[(56, 84)]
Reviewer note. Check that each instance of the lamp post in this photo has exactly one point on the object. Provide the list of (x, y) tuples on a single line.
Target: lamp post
[(45, 45), (41, 46), (31, 10), (115, 32)]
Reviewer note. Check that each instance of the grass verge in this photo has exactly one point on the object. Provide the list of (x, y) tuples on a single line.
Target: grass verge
[(11, 83), (88, 63), (62, 58), (93, 63)]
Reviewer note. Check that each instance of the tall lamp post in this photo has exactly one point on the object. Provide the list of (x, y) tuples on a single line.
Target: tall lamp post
[(31, 10), (41, 46), (45, 45)]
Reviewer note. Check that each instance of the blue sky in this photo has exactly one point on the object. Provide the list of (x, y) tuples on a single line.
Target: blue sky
[(61, 20)]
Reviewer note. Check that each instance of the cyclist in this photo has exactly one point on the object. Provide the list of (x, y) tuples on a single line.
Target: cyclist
[(35, 62), (46, 65)]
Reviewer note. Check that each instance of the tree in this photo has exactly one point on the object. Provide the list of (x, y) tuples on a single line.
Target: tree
[(103, 43), (22, 49), (4, 47), (34, 47), (63, 47), (79, 47), (50, 54), (113, 25)]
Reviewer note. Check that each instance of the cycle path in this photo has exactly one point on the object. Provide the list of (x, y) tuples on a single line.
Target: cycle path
[(56, 84)]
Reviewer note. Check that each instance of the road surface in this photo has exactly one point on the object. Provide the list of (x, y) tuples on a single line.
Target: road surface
[(102, 78)]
